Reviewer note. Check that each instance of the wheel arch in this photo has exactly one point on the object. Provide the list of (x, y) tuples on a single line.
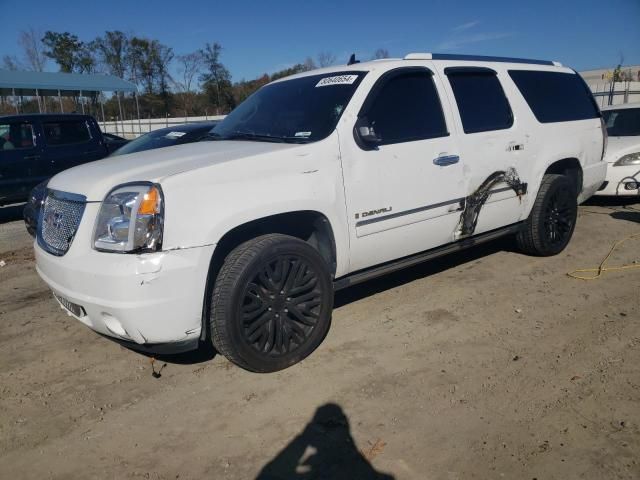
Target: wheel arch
[(571, 167), (309, 225)]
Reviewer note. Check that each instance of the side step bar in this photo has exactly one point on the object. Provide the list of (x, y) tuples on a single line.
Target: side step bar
[(385, 268)]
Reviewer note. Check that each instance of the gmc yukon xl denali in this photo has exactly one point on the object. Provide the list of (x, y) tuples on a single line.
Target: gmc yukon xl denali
[(316, 182)]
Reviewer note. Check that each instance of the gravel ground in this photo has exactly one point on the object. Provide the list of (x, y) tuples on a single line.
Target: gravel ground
[(485, 364)]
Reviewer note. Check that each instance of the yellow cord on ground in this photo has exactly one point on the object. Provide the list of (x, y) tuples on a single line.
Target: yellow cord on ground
[(597, 272)]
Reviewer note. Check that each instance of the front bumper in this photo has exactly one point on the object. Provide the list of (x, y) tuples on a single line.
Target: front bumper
[(154, 298), (617, 180)]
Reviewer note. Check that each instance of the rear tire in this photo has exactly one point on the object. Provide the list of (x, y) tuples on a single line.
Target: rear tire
[(271, 304), (550, 225)]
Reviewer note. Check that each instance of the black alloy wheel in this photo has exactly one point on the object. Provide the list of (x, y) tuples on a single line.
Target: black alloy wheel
[(271, 303), (281, 306), (552, 220), (559, 218)]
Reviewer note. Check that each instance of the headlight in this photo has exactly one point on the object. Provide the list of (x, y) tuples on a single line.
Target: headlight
[(130, 219), (631, 159)]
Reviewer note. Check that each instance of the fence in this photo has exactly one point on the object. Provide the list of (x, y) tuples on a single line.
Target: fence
[(136, 127), (609, 93)]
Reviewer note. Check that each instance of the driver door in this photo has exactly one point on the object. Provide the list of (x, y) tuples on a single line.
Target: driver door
[(404, 190)]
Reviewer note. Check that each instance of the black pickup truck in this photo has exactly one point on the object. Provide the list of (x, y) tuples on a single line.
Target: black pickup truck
[(36, 147)]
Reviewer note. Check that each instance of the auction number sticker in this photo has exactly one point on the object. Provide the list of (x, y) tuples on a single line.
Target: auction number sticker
[(175, 134), (337, 80)]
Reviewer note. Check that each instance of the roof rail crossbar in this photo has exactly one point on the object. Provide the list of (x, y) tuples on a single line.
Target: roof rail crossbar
[(478, 58)]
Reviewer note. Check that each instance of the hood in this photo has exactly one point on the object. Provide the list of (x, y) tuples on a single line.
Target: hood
[(619, 146), (94, 180)]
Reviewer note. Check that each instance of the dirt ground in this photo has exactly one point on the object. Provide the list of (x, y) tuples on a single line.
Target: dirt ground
[(485, 364)]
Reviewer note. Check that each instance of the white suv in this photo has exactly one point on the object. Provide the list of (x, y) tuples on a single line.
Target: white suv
[(316, 182)]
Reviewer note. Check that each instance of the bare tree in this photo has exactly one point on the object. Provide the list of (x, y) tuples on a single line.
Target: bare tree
[(309, 64), (34, 55), (190, 66), (380, 53), (11, 62), (326, 59)]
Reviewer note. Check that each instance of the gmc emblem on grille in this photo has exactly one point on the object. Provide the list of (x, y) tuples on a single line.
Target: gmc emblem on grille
[(54, 219)]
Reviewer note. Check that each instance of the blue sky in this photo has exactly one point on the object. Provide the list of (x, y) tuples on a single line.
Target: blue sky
[(265, 36)]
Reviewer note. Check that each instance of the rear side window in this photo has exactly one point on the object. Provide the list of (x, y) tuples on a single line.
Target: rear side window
[(622, 123), (481, 101), (66, 132), (555, 96), (15, 136), (407, 108)]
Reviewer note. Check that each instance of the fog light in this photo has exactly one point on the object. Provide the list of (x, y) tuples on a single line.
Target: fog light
[(631, 186)]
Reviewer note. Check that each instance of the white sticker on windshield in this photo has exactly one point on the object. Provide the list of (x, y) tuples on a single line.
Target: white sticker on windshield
[(337, 80), (302, 134), (175, 134)]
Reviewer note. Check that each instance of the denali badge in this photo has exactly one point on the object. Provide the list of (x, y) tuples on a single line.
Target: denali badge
[(373, 212)]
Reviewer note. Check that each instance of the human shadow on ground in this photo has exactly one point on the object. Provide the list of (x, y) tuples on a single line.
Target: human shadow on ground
[(324, 449)]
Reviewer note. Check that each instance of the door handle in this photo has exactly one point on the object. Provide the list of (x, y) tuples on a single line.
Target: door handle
[(31, 157), (445, 160)]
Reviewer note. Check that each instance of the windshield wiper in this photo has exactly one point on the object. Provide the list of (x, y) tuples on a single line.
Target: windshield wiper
[(260, 137), (257, 137)]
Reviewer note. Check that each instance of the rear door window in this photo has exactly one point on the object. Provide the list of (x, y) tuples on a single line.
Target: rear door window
[(66, 132), (16, 136), (555, 96), (407, 108), (482, 104)]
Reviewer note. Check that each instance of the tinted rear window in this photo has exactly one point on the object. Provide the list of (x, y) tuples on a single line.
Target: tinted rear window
[(622, 123), (555, 96), (481, 101), (66, 132)]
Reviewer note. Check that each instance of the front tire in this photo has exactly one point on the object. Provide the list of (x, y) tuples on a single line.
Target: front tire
[(550, 225), (271, 304)]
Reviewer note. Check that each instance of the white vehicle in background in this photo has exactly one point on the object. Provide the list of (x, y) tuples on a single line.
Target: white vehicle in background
[(317, 182), (623, 150)]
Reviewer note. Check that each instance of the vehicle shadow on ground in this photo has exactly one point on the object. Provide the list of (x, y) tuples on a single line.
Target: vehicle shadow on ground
[(324, 449), (613, 202), (206, 351), (619, 208), (431, 267), (631, 216), (11, 213)]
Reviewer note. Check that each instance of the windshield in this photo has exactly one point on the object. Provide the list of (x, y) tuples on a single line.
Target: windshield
[(158, 139), (622, 123), (301, 110)]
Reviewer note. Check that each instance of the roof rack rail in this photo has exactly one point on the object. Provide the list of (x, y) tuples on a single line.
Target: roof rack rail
[(477, 58)]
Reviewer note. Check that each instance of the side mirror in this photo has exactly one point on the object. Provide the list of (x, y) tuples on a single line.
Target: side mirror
[(365, 134)]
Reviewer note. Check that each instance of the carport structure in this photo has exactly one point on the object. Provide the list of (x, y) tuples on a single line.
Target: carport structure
[(49, 84)]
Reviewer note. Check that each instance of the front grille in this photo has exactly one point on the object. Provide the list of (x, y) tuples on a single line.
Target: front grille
[(59, 220)]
